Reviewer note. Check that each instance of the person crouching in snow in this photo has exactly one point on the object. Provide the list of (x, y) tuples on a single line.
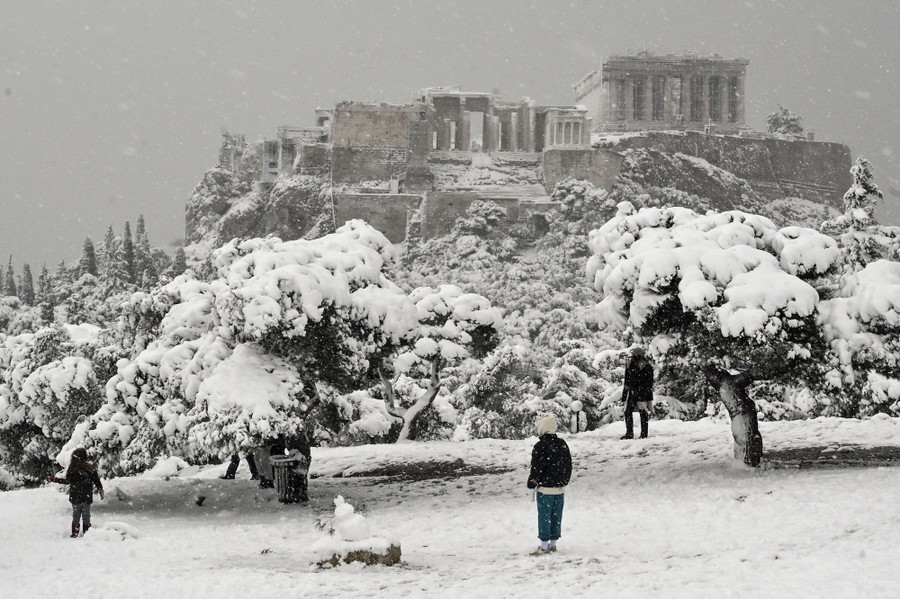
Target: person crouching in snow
[(82, 477), (551, 469)]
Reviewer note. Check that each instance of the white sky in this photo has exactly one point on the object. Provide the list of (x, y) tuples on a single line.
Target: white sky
[(112, 109)]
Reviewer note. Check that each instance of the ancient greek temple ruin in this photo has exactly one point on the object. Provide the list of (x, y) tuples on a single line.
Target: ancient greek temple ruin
[(646, 91), (417, 166)]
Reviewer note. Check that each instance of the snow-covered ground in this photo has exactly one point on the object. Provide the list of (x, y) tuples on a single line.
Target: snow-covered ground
[(670, 516)]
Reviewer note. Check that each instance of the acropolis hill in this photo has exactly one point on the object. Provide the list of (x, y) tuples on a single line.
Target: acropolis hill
[(674, 120)]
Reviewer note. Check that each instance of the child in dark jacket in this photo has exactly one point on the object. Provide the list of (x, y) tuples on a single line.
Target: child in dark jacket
[(82, 477), (551, 469)]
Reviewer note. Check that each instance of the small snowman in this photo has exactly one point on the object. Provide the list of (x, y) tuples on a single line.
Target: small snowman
[(352, 541), (349, 525)]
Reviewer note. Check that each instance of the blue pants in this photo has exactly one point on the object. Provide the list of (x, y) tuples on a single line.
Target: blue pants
[(550, 510), (81, 511)]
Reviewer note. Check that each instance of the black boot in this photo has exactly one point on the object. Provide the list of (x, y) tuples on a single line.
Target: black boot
[(75, 529), (629, 420), (251, 463)]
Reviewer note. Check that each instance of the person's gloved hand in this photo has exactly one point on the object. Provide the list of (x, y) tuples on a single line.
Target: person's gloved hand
[(101, 494)]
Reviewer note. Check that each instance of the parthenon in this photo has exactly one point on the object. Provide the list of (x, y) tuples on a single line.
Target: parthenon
[(646, 91)]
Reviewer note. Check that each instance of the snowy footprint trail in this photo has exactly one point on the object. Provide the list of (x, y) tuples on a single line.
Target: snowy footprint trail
[(670, 516)]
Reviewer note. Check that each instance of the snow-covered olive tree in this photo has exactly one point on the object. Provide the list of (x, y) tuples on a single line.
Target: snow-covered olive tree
[(49, 381), (451, 326), (724, 294), (241, 358), (784, 121)]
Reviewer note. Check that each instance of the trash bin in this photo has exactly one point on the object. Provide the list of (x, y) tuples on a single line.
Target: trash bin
[(290, 478)]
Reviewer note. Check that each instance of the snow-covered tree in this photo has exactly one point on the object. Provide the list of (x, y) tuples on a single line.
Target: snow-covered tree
[(784, 121), (88, 263), (861, 322), (9, 280), (48, 384), (45, 297), (45, 286), (243, 357), (128, 254), (452, 326), (114, 275), (861, 307), (26, 289), (861, 237), (17, 318), (146, 271), (725, 294), (179, 264)]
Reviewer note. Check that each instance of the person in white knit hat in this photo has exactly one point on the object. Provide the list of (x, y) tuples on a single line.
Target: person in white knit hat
[(551, 469)]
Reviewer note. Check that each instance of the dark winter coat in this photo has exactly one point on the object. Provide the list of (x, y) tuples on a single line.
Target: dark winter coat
[(639, 380), (551, 463), (81, 477)]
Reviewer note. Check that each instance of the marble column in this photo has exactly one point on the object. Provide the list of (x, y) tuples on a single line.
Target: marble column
[(723, 99), (495, 133), (686, 98), (513, 132), (444, 138), (460, 127), (704, 93), (466, 132), (668, 115)]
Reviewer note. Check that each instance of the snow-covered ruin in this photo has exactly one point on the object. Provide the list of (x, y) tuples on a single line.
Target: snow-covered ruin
[(429, 159)]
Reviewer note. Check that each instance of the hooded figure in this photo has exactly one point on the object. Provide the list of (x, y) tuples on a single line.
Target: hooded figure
[(551, 469), (638, 392), (82, 477)]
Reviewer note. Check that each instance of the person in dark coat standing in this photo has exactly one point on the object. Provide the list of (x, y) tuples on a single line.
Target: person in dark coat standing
[(82, 477), (551, 469), (638, 392)]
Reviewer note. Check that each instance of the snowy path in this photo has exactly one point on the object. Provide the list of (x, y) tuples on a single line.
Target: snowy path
[(671, 516)]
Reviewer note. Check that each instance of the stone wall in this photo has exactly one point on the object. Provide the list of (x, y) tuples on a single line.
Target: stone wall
[(313, 159), (775, 168), (373, 125), (352, 165), (386, 212), (600, 167), (440, 209)]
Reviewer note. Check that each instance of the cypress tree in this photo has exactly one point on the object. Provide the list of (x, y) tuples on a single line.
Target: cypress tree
[(27, 287), (141, 230), (114, 274), (143, 256), (109, 247), (179, 264), (88, 263), (44, 286), (128, 253), (9, 283)]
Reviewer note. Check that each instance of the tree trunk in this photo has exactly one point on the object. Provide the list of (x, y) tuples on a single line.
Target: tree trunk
[(411, 415), (748, 445)]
